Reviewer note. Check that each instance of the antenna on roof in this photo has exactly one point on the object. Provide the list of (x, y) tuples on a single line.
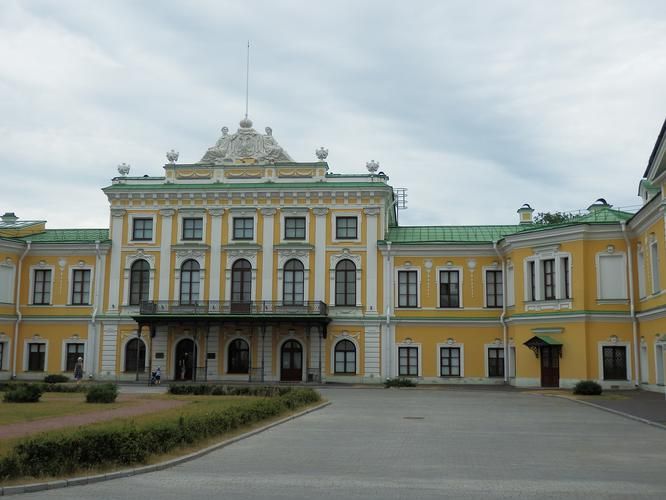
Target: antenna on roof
[(247, 78), (400, 201)]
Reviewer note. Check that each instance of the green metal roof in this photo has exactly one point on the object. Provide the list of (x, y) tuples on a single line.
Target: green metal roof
[(449, 234), (67, 236)]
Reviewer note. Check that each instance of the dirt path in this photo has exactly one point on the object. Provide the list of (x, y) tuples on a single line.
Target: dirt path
[(142, 407)]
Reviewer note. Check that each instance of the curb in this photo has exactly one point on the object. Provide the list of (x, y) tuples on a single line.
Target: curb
[(77, 481), (611, 410)]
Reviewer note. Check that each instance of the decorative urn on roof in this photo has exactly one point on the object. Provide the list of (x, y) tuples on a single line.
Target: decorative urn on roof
[(322, 153), (123, 169), (172, 156), (372, 166)]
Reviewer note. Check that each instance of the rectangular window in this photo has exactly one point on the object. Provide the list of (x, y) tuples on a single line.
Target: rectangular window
[(6, 284), (193, 228), (41, 289), (36, 357), (549, 279), (531, 277), (294, 228), (615, 362), (74, 352), (80, 286), (654, 263), (494, 291), (407, 289), (565, 278), (142, 229), (346, 228), (243, 228), (612, 281), (449, 361), (496, 362), (2, 354), (408, 361), (449, 289)]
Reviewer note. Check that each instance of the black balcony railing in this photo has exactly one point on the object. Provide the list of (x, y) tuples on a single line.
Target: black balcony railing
[(216, 307)]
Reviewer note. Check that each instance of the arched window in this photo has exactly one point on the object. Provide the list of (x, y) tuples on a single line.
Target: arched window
[(139, 282), (345, 283), (239, 357), (345, 357), (241, 281), (292, 284), (135, 353), (189, 282)]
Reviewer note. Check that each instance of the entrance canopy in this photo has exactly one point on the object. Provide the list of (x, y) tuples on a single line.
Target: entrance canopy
[(539, 341)]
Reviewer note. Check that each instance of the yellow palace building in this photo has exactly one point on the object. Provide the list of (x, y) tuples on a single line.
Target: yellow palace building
[(250, 266)]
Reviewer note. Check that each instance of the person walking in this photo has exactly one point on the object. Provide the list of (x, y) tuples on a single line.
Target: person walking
[(78, 370), (158, 375)]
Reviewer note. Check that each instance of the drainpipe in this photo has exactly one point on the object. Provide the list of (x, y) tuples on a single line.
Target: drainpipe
[(391, 347), (632, 307), (92, 340), (97, 283), (505, 336), (19, 316)]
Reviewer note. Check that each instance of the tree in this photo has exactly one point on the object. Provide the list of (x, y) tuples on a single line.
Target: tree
[(553, 217)]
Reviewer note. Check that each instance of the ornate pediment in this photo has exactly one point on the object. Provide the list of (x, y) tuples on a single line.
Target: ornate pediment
[(246, 144)]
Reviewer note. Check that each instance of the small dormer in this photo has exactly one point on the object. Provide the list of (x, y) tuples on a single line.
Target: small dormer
[(525, 214)]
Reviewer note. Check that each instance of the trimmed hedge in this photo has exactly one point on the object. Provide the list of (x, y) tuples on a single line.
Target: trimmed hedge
[(587, 388), (399, 382), (60, 454), (56, 378), (25, 393), (8, 386), (102, 393), (228, 390)]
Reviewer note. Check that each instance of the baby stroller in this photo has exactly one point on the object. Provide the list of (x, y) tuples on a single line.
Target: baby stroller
[(153, 378)]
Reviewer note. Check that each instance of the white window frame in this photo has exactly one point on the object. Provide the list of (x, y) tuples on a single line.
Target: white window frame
[(438, 362), (654, 267), (40, 267), (418, 286), (242, 213), (600, 352), (510, 286), (6, 346), (614, 255), (305, 261), (130, 228), (640, 268), (461, 275), (63, 354), (286, 213), (70, 284), (129, 262), (418, 354), (10, 269), (196, 213), (358, 355), (485, 270), (334, 227), (486, 349), (539, 288), (26, 353)]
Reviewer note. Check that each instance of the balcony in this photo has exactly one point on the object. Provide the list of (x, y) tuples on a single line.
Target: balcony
[(215, 308)]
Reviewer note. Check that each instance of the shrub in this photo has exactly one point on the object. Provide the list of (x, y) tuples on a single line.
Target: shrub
[(64, 453), (399, 382), (24, 393), (102, 393), (229, 390), (56, 378), (587, 388)]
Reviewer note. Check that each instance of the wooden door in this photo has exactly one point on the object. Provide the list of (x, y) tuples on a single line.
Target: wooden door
[(185, 360), (291, 364), (550, 366)]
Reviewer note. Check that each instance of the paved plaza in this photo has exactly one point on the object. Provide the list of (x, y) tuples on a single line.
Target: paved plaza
[(419, 443)]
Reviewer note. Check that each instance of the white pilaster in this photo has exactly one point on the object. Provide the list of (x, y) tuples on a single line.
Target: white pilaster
[(159, 346), (372, 351), (371, 214), (117, 218), (109, 342), (267, 253), (214, 346), (320, 273), (165, 253), (215, 253)]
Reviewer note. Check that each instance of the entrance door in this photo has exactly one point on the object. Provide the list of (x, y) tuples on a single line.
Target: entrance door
[(186, 356), (291, 367), (550, 366)]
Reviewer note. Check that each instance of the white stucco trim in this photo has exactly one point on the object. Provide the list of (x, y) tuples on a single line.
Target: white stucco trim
[(123, 349), (130, 227), (304, 361), (335, 259), (63, 351), (192, 213), (241, 213), (334, 225), (225, 351), (289, 212), (70, 286), (486, 349), (484, 277)]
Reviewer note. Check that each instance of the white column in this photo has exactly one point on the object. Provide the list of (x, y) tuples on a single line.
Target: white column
[(267, 253), (215, 253), (117, 219), (320, 254), (371, 214), (165, 253), (159, 346)]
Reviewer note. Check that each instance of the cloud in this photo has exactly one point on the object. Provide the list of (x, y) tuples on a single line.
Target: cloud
[(475, 107)]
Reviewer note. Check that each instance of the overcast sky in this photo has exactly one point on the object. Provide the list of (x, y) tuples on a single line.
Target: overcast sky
[(475, 106)]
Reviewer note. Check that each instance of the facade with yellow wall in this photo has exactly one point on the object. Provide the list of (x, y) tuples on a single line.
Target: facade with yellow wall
[(250, 266)]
